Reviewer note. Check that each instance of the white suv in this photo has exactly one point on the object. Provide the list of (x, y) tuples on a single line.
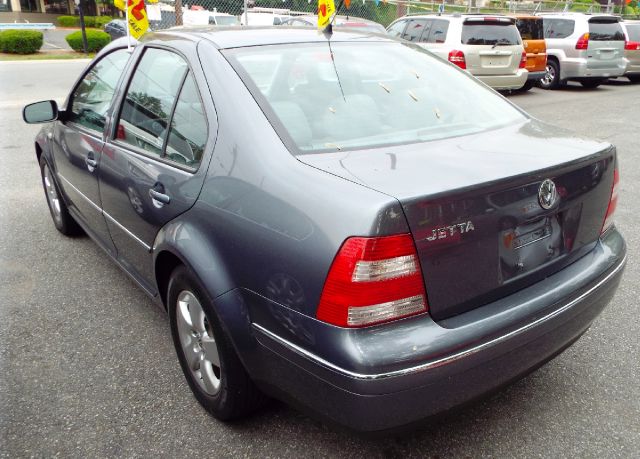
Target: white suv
[(489, 47), (583, 47)]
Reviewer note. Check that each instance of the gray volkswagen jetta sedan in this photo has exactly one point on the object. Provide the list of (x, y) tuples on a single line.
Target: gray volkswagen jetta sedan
[(344, 222)]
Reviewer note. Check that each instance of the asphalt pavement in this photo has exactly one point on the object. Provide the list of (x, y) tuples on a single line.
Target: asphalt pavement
[(87, 367), (55, 39)]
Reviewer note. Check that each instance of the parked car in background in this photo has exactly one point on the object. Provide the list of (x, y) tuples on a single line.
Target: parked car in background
[(116, 28), (266, 16), (488, 47), (223, 19), (583, 47), (376, 243), (350, 22), (632, 49), (532, 33)]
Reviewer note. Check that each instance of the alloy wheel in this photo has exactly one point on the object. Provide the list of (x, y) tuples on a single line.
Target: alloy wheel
[(549, 76), (52, 195), (198, 343)]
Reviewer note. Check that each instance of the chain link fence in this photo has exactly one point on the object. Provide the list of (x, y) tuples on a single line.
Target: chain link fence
[(274, 12)]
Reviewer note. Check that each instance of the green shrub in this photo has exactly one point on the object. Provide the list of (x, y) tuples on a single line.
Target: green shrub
[(102, 20), (96, 40), (89, 21), (20, 41), (68, 21)]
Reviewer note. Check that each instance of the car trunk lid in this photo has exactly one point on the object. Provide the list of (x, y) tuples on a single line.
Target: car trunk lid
[(473, 207), (606, 42), (492, 45)]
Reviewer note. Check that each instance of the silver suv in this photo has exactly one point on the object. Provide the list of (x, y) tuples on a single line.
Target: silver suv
[(632, 49), (489, 47), (582, 47)]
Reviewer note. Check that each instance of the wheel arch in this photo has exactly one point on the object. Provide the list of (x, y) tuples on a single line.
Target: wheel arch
[(184, 243)]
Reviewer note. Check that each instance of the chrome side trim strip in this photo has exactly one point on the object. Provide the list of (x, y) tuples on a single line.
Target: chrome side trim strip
[(443, 360), (129, 233), (113, 220), (93, 204)]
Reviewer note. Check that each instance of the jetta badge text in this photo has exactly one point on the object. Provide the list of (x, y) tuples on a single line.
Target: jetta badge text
[(547, 194), (448, 231)]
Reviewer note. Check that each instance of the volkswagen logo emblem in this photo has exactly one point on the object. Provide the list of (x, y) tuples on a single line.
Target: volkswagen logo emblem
[(547, 194)]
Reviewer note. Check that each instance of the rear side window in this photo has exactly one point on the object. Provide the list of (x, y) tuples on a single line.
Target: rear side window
[(437, 32), (483, 33), (188, 133), (396, 29), (415, 29), (634, 32), (162, 112), (558, 28), (153, 90), (530, 29), (605, 31)]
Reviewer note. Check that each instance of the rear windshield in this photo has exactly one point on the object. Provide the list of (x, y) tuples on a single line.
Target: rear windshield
[(558, 28), (369, 95), (530, 29), (482, 33), (226, 20), (605, 31), (634, 31)]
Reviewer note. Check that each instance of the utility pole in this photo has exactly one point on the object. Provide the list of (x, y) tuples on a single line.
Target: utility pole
[(80, 4)]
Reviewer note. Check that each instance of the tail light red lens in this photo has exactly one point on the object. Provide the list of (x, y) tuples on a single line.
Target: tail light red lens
[(583, 41), (632, 46), (457, 57), (613, 202), (523, 60), (373, 280)]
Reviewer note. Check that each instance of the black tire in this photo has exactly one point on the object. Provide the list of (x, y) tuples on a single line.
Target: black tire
[(236, 395), (60, 215), (591, 84), (552, 78), (634, 78), (528, 85)]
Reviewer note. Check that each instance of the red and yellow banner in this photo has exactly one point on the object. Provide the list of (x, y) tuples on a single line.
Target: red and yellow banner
[(326, 9), (136, 15)]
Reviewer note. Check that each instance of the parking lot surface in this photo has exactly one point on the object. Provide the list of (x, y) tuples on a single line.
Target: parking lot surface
[(87, 367)]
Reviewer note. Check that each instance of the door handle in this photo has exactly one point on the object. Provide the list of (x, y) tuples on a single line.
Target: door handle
[(90, 162), (158, 195)]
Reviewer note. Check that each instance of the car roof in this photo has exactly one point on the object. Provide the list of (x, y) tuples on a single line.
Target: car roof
[(455, 15), (579, 15), (243, 36)]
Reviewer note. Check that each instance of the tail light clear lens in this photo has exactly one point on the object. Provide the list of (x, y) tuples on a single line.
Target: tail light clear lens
[(523, 60), (373, 280), (583, 41), (457, 57), (632, 45), (613, 202)]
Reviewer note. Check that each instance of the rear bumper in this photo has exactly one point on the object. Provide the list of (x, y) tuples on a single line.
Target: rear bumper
[(535, 76), (581, 69), (385, 377), (504, 82), (633, 69)]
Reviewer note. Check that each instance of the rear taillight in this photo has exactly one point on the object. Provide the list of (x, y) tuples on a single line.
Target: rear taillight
[(457, 57), (613, 202), (632, 45), (523, 60), (373, 280), (583, 41)]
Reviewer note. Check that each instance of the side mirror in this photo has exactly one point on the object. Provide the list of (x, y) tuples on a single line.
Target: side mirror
[(40, 112)]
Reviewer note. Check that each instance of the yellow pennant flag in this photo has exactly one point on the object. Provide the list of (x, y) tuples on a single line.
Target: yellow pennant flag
[(138, 21), (326, 8)]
